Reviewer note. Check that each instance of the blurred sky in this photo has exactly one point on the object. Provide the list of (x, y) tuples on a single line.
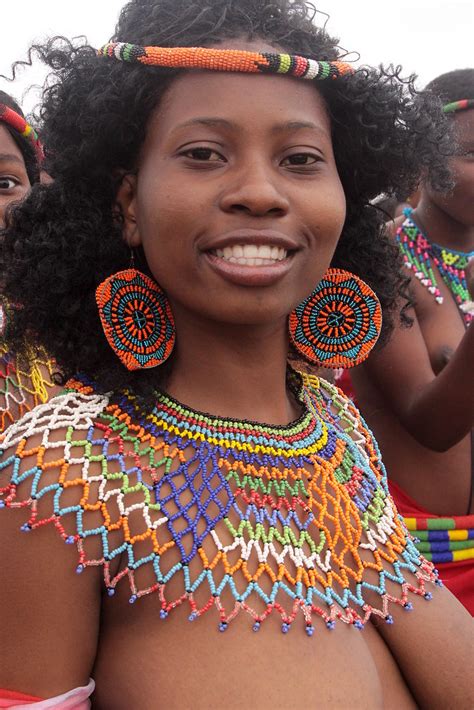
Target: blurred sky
[(427, 37)]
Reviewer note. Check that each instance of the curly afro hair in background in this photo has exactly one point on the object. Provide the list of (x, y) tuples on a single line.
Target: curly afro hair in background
[(453, 86), (65, 238)]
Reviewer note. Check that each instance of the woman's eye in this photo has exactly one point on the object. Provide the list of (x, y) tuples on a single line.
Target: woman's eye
[(300, 159), (205, 155), (7, 183)]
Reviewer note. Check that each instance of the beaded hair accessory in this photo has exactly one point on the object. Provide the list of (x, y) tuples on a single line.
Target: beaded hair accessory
[(458, 105), (18, 123), (230, 60)]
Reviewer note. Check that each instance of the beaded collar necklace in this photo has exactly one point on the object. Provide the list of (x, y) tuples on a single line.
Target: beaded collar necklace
[(420, 255), (292, 521), (302, 437)]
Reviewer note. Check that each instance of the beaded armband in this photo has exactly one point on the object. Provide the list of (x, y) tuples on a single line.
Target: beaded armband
[(231, 515)]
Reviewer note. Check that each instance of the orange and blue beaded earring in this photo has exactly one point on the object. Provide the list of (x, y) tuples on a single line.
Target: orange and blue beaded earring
[(339, 323), (137, 319)]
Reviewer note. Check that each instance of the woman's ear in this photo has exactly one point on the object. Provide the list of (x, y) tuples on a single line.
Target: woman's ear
[(126, 203)]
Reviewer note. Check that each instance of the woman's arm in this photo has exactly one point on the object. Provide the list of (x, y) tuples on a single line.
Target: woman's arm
[(49, 615), (437, 410)]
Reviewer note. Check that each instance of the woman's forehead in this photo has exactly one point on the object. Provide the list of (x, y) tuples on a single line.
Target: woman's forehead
[(242, 99), (8, 147), (464, 126)]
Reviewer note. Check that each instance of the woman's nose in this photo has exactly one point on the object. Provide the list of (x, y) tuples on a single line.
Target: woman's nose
[(255, 190)]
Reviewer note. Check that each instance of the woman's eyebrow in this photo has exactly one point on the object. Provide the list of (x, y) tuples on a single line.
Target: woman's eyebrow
[(297, 126), (11, 157), (214, 122), (206, 121)]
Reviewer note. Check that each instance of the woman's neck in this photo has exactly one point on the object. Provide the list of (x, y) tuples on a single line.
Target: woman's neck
[(441, 228), (232, 371)]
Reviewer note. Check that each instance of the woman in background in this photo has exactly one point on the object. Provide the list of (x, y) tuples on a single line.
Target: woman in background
[(417, 393), (23, 384)]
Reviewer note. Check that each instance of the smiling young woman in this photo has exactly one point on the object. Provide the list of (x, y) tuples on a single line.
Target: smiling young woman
[(185, 242)]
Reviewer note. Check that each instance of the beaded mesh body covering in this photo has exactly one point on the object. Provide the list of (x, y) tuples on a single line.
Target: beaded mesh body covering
[(22, 387), (234, 516)]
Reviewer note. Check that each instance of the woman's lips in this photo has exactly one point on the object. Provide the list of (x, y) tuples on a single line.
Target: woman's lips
[(251, 257)]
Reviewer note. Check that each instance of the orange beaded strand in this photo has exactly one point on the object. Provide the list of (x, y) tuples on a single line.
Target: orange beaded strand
[(227, 60)]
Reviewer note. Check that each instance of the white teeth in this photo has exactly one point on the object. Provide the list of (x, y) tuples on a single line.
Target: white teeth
[(250, 251), (252, 254)]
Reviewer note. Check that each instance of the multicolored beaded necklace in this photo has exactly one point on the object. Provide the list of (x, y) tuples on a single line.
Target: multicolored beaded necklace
[(421, 255), (21, 387), (214, 513)]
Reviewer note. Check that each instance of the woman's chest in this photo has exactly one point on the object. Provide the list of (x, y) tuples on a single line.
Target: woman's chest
[(177, 664), (441, 324)]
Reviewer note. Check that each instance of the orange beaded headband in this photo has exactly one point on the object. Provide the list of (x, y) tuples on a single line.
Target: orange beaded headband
[(230, 60), (18, 123)]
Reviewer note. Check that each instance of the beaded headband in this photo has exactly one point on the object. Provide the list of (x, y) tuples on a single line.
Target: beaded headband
[(458, 105), (230, 60), (18, 123)]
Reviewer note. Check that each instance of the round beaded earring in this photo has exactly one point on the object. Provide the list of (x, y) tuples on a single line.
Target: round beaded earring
[(137, 319), (339, 323)]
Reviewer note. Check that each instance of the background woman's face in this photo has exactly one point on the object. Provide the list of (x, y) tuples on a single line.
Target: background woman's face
[(14, 182), (237, 202), (459, 203)]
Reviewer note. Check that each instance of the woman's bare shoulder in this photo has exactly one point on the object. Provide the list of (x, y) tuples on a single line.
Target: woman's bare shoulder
[(48, 611)]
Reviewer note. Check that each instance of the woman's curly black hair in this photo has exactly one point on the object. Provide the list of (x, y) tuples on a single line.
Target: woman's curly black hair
[(454, 85), (65, 238)]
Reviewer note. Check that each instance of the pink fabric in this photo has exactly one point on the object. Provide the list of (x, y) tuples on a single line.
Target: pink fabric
[(77, 699)]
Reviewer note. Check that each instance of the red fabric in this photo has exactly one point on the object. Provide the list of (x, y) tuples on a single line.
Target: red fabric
[(458, 576), (10, 698)]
